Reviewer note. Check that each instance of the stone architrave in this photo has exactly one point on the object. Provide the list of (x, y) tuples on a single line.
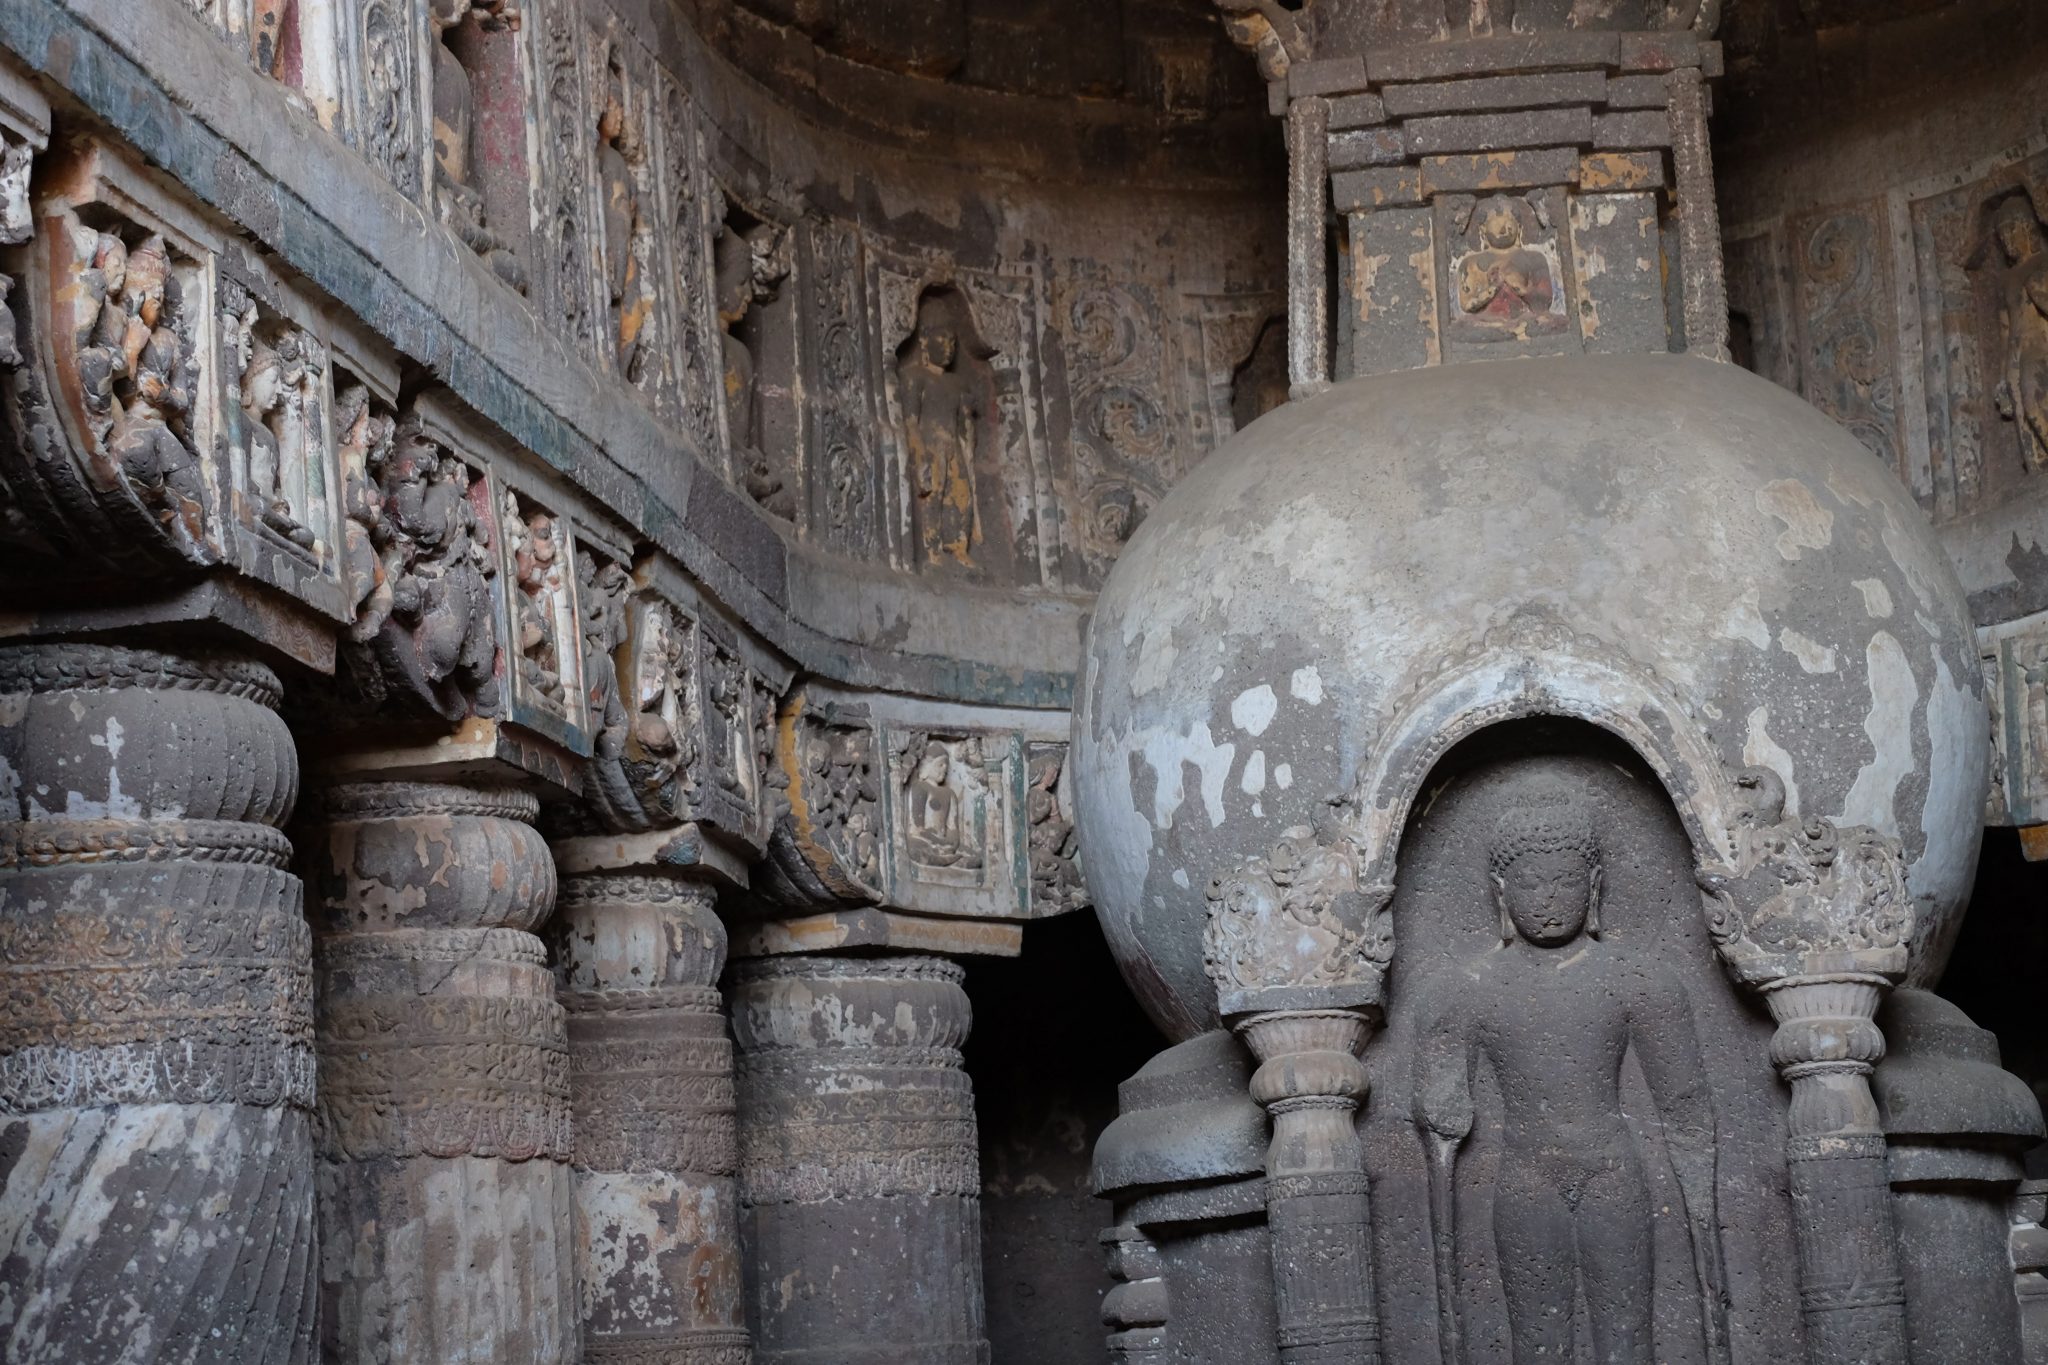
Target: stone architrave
[(156, 1048), (447, 1211), (1297, 945), (1816, 920), (858, 1161), (637, 959)]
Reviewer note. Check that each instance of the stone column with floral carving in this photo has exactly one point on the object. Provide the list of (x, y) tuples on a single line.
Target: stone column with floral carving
[(859, 1166), (156, 1061), (656, 1152), (1297, 945), (446, 1206), (1816, 919)]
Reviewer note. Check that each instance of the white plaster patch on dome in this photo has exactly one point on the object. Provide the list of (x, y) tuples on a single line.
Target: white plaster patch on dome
[(1926, 590), (1877, 598), (1180, 878), (1254, 708), (1157, 655), (1306, 685), (1889, 723), (1283, 775), (1813, 656), (1808, 525), (1168, 752), (1759, 750), (1254, 780), (1745, 621), (1955, 788)]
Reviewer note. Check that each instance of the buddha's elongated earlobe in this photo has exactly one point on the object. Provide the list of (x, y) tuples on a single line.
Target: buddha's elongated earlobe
[(1500, 904), (1593, 902)]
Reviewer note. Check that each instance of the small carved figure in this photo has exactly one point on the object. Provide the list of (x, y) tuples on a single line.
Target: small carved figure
[(270, 377), (942, 416), (843, 792), (1050, 835), (156, 461), (750, 266), (1505, 280), (2015, 249), (938, 828), (537, 574), (365, 444), (10, 338), (439, 641), (602, 601), (1553, 1012), (618, 147), (17, 224)]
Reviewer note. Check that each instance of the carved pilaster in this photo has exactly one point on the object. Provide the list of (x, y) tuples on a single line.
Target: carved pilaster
[(156, 1067), (1298, 945), (446, 1205), (859, 1166), (1137, 1308), (1816, 920), (656, 1151), (1308, 197)]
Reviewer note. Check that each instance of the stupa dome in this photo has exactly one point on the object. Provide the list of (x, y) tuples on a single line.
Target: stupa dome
[(1670, 548)]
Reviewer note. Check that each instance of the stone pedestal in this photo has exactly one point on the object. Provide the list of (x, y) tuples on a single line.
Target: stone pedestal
[(656, 1154), (859, 1172), (445, 1201), (156, 1071)]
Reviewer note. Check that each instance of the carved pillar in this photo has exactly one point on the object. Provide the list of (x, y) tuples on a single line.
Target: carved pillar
[(651, 1084), (859, 1169), (445, 1202), (1297, 949), (1815, 919), (1308, 303), (156, 1070), (1699, 217)]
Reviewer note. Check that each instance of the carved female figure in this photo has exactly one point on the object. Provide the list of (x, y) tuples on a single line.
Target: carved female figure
[(1553, 1012)]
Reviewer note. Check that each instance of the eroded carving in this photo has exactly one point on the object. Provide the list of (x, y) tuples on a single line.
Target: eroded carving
[(944, 799), (543, 616), (752, 263), (1051, 846), (1505, 269), (458, 198), (2011, 260), (1298, 919), (622, 167), (282, 387)]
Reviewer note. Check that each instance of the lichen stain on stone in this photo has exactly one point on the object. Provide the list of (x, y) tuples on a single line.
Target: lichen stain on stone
[(1808, 525), (1745, 621), (1877, 599), (1759, 750), (1813, 656), (1253, 709)]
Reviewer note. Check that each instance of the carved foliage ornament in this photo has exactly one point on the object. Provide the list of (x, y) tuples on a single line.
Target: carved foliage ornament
[(1807, 897), (1298, 929)]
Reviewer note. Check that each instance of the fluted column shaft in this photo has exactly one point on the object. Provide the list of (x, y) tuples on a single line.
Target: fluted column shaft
[(445, 1202), (656, 1149), (860, 1180), (156, 1068)]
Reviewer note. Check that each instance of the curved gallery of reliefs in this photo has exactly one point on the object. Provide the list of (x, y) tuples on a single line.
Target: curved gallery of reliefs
[(942, 681)]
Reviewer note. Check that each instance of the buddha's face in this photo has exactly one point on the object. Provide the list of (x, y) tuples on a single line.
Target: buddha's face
[(1548, 895)]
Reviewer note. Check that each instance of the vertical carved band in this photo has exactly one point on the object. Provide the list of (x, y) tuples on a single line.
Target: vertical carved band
[(1308, 304), (1699, 219), (656, 1154), (446, 1211), (858, 1158), (156, 1048)]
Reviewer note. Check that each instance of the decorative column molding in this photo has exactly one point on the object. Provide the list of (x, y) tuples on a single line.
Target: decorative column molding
[(1308, 292), (637, 959), (1816, 920), (156, 1049), (445, 1201), (1297, 945), (858, 1159)]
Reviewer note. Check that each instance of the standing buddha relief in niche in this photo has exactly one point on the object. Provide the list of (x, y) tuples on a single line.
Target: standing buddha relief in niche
[(953, 441), (1551, 1015), (458, 196), (2010, 256)]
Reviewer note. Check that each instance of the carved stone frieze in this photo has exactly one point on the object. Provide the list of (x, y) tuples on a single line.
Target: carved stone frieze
[(689, 210), (954, 813), (112, 403), (827, 845), (835, 338), (1056, 885)]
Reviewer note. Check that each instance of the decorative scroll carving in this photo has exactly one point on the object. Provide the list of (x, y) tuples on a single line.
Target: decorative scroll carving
[(644, 783), (690, 212), (436, 646), (566, 178), (1125, 448), (1298, 922), (827, 844), (835, 350), (384, 96), (1842, 267)]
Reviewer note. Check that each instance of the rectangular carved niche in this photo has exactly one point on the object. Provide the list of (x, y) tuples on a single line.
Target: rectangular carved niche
[(964, 425), (282, 481), (632, 343), (2016, 667), (953, 822)]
